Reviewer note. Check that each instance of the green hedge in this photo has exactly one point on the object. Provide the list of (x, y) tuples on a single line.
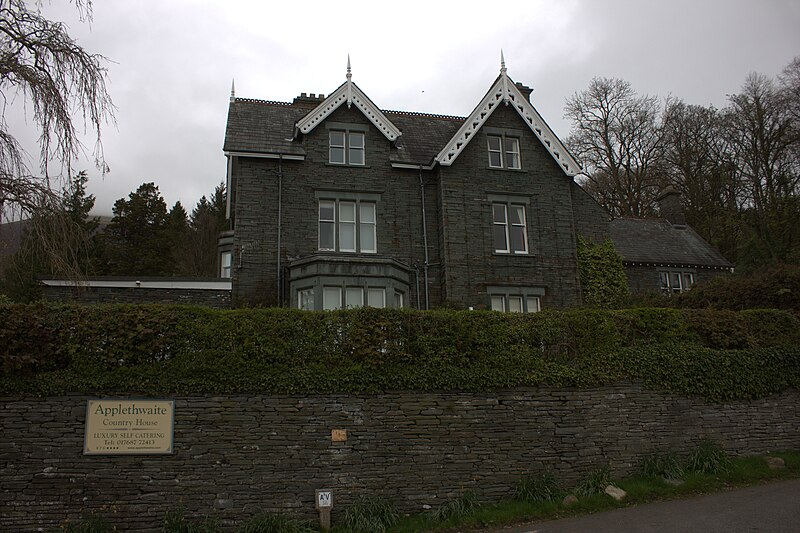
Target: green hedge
[(51, 350), (776, 287)]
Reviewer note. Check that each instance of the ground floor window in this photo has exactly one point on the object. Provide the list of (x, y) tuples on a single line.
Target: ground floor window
[(344, 297), (516, 299), (676, 281), (225, 261)]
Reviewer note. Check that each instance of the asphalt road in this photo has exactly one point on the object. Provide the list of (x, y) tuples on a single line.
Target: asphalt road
[(774, 507)]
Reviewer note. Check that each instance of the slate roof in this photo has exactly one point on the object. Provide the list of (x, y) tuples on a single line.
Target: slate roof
[(660, 242), (261, 126)]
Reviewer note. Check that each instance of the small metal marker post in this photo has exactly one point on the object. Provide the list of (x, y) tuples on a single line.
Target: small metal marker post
[(324, 504)]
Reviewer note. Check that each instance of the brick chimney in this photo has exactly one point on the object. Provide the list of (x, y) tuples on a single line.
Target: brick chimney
[(670, 207), (309, 99), (525, 90)]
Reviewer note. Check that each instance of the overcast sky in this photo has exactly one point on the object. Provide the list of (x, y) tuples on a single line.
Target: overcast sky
[(171, 63)]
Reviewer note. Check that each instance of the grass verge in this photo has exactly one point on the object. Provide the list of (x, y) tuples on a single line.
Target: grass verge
[(739, 472), (538, 497)]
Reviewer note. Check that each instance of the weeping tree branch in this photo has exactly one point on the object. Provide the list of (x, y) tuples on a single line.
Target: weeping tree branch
[(63, 84)]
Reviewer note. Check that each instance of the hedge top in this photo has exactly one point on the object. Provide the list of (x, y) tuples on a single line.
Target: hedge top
[(149, 349)]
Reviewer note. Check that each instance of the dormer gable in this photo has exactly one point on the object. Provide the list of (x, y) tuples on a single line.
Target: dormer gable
[(505, 91), (348, 93)]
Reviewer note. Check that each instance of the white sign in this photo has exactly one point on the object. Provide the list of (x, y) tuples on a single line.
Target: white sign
[(324, 499)]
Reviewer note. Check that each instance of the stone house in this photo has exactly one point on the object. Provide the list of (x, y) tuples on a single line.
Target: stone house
[(337, 203)]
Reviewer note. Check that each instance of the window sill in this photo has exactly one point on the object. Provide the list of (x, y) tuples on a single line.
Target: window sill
[(511, 254), (345, 165), (520, 170)]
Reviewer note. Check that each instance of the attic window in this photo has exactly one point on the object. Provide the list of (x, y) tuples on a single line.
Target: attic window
[(503, 152), (346, 147)]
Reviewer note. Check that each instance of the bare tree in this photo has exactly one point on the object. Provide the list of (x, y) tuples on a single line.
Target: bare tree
[(698, 161), (61, 83), (615, 134), (761, 128)]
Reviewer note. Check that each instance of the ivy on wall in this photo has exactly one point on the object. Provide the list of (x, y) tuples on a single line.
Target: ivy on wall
[(602, 275), (151, 349)]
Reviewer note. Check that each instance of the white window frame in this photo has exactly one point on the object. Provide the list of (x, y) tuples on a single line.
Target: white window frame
[(225, 264), (508, 144), (349, 148), (675, 281), (513, 299), (304, 296), (359, 227), (515, 303), (508, 226), (372, 292)]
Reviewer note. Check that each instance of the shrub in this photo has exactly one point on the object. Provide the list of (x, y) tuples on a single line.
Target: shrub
[(370, 515), (601, 274), (537, 488), (275, 523), (176, 522), (595, 482), (661, 465), (457, 509), (708, 458), (94, 524), (773, 288), (161, 350)]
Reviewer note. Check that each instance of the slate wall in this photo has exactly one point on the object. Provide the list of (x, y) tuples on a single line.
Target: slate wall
[(399, 212), (217, 299), (466, 188), (238, 455)]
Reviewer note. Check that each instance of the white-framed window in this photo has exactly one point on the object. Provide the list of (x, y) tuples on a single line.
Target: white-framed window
[(503, 152), (514, 299), (509, 228), (331, 298), (225, 262), (516, 303), (346, 147), (305, 299), (399, 299), (353, 298), (347, 226), (376, 297), (676, 281)]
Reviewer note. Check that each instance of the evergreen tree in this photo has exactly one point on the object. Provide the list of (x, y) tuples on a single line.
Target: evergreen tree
[(138, 237)]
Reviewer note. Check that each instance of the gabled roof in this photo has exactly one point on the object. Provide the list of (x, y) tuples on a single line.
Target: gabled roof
[(658, 242), (350, 94), (267, 128), (505, 91)]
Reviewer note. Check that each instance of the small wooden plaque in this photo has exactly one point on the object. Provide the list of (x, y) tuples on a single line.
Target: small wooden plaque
[(339, 435)]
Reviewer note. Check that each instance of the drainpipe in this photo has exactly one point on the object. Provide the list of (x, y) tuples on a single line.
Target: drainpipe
[(424, 237), (416, 280), (280, 191)]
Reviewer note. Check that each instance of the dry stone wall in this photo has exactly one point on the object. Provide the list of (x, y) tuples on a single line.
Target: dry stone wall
[(238, 455)]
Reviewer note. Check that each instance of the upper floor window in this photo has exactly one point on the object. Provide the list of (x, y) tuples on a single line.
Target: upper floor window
[(673, 282), (510, 234), (346, 147), (503, 152), (347, 226)]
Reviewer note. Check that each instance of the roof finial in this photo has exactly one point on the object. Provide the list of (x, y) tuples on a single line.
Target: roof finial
[(502, 62), (349, 92), (233, 91)]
